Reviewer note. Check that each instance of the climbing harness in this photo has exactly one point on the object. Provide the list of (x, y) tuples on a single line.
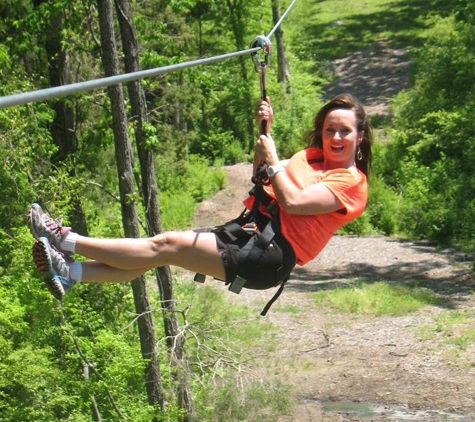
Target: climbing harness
[(259, 231)]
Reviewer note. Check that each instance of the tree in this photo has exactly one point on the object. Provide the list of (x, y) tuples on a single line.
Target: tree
[(237, 9), (283, 73), (150, 197), (63, 127), (123, 153)]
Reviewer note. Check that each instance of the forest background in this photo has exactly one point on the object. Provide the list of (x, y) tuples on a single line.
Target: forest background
[(96, 356)]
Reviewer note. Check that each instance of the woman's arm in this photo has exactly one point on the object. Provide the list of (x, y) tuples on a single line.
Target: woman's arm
[(314, 199)]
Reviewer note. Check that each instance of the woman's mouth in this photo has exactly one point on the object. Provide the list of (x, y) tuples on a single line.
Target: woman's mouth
[(337, 148)]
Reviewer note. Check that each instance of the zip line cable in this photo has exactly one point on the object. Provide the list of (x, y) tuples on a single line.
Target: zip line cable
[(63, 90), (281, 19)]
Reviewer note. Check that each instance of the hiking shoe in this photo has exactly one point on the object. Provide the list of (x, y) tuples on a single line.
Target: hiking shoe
[(42, 225), (54, 266)]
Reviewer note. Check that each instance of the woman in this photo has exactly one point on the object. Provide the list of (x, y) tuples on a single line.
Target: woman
[(317, 191)]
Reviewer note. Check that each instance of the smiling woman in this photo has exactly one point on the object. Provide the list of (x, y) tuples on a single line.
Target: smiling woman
[(340, 139), (356, 121), (288, 222), (324, 186)]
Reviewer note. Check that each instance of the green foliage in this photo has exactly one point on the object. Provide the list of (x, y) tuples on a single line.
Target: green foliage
[(452, 328), (222, 337), (220, 146), (182, 186), (422, 184), (432, 147), (383, 207), (376, 299)]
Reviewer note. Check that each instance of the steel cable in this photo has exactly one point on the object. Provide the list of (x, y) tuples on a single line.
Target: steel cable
[(63, 90)]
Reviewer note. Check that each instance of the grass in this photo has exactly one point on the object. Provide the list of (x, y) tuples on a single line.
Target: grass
[(376, 299), (224, 341), (337, 27), (452, 327)]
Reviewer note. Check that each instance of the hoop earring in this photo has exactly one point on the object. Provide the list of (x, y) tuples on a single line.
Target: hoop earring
[(359, 154)]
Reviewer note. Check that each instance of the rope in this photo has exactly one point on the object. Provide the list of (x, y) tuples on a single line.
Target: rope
[(63, 90)]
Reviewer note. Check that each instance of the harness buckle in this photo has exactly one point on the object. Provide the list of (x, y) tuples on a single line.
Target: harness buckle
[(250, 228)]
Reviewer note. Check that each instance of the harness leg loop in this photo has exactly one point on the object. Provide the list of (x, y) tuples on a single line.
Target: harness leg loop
[(200, 278), (237, 285)]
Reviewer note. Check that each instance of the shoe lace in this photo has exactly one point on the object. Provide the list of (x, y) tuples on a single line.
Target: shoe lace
[(54, 226)]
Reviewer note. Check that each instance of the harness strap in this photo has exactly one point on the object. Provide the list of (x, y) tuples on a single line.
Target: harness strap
[(246, 225), (233, 229), (274, 298), (251, 253)]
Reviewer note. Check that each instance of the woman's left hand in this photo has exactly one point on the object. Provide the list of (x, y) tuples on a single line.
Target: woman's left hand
[(266, 150)]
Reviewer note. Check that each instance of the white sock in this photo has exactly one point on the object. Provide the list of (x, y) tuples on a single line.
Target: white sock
[(68, 244), (75, 271)]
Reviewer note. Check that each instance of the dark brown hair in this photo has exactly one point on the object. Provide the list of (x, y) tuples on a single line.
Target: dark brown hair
[(346, 102)]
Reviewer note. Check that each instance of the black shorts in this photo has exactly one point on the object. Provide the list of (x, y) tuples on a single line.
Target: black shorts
[(274, 265)]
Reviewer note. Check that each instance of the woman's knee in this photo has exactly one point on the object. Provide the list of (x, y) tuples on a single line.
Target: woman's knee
[(166, 243)]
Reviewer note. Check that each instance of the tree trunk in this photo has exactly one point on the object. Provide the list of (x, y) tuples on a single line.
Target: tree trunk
[(123, 152), (235, 12), (151, 203), (63, 127), (283, 74)]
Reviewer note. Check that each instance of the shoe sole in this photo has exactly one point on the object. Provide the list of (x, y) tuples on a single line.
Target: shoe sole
[(44, 264)]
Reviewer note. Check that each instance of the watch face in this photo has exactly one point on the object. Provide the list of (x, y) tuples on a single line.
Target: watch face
[(273, 170)]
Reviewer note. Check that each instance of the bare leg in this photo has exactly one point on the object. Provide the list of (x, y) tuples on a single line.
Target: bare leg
[(124, 259), (96, 272)]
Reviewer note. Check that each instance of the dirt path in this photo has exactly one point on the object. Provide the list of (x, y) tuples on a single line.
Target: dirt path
[(357, 366), (352, 368), (361, 368)]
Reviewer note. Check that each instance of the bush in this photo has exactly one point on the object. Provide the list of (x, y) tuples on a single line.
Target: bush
[(383, 207), (431, 156)]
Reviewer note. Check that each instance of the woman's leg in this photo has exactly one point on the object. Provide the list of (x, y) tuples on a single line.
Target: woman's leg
[(96, 272), (117, 259), (190, 250)]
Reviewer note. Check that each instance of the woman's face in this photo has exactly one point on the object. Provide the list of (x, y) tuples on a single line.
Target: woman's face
[(340, 138)]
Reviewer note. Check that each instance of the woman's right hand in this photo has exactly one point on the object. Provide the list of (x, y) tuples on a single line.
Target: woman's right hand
[(264, 112)]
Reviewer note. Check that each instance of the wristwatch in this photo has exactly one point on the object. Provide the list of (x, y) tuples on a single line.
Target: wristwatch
[(273, 170)]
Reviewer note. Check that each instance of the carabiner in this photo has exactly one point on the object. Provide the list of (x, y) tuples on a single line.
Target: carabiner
[(264, 43)]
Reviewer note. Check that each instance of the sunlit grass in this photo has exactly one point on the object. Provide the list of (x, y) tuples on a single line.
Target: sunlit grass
[(334, 29), (451, 327), (289, 309), (376, 299)]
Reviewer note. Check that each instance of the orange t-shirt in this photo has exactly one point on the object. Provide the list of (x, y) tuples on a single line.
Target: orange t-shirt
[(309, 234)]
